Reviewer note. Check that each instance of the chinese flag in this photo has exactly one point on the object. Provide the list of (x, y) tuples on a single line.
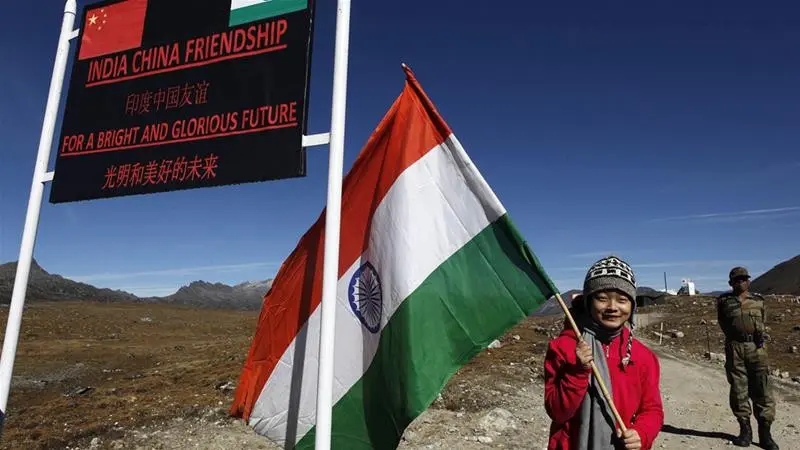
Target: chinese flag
[(113, 28)]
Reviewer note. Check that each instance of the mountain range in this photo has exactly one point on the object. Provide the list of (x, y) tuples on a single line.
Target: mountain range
[(44, 286), (784, 278)]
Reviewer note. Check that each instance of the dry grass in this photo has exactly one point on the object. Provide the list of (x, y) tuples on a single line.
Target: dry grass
[(142, 363)]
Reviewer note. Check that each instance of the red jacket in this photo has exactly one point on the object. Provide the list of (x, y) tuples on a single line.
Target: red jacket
[(635, 389)]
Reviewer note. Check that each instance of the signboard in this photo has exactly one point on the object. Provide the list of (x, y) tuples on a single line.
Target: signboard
[(179, 94)]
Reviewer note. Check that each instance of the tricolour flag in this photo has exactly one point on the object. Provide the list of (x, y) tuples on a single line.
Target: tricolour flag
[(113, 28), (244, 11), (431, 270)]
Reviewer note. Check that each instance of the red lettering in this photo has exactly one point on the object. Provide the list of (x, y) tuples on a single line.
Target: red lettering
[(72, 143)]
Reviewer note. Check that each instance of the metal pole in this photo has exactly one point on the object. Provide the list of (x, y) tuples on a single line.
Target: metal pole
[(34, 208), (330, 268)]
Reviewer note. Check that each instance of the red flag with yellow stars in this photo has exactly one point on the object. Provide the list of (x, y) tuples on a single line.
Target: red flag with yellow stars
[(113, 28)]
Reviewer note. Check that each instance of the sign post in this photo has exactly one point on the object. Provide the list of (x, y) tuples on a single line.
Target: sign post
[(34, 208), (160, 100), (330, 264)]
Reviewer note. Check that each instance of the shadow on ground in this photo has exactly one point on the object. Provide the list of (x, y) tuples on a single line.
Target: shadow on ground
[(696, 433)]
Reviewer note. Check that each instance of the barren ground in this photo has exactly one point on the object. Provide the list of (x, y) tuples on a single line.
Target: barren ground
[(91, 375)]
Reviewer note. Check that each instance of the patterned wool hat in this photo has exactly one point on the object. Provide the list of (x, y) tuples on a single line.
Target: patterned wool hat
[(613, 273), (610, 273)]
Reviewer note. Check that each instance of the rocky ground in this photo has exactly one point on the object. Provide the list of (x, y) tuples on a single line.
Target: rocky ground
[(181, 397)]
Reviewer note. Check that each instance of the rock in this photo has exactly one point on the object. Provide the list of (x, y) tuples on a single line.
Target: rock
[(498, 420), (484, 439), (78, 391), (703, 322), (516, 337), (793, 349), (784, 375), (495, 344), (796, 379), (116, 445), (715, 356), (796, 328), (95, 443), (226, 386), (676, 333), (714, 322)]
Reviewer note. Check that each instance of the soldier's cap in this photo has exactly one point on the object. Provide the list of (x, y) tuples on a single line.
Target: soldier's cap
[(737, 272)]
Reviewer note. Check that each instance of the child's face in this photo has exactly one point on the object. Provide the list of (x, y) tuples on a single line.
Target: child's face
[(611, 309)]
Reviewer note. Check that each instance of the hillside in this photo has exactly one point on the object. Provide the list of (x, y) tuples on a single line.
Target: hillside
[(44, 286), (219, 295), (551, 306), (781, 279)]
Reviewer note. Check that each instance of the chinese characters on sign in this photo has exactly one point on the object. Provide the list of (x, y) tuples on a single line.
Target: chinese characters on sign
[(170, 98), (161, 172), (160, 100)]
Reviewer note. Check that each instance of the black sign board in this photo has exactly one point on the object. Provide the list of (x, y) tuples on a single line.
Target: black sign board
[(179, 94)]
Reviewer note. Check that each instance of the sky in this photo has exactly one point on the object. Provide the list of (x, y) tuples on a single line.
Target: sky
[(663, 132)]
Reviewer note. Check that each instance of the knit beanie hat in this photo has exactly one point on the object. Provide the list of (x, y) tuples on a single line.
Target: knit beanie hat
[(612, 273)]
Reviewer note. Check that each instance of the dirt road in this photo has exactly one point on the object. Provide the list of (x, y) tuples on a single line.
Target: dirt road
[(695, 399)]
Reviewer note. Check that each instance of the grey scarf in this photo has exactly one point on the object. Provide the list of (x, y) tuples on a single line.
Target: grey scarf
[(597, 429)]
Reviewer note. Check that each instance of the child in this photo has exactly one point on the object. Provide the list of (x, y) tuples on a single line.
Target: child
[(581, 417)]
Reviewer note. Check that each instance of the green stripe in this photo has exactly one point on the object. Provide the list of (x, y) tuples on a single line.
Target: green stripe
[(485, 288), (265, 10)]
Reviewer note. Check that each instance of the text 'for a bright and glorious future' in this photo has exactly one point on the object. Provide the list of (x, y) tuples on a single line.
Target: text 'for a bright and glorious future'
[(248, 120)]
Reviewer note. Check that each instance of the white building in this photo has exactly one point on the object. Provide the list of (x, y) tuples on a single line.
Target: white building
[(688, 287)]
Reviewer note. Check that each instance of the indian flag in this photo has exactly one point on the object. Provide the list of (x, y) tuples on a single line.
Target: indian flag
[(244, 11), (431, 270)]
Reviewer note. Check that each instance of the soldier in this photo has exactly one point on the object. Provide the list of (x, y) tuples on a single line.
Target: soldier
[(741, 316)]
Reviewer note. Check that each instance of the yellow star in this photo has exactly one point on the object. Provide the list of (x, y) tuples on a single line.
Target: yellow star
[(93, 20)]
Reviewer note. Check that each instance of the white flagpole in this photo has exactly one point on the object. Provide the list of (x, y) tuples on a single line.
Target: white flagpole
[(40, 177), (330, 268)]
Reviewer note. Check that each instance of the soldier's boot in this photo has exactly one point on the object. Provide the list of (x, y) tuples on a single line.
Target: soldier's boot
[(745, 437), (765, 437)]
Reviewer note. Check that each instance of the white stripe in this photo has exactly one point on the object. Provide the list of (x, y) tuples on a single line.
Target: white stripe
[(434, 208), (237, 4)]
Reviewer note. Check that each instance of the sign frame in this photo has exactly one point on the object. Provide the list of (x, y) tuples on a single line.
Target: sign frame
[(191, 101)]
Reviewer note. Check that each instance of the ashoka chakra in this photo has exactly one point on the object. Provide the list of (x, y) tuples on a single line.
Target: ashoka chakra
[(366, 297)]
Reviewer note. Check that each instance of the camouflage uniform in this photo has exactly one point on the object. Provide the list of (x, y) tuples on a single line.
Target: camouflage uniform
[(743, 322), (746, 364)]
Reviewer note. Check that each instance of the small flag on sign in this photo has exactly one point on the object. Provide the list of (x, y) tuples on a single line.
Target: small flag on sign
[(113, 28)]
